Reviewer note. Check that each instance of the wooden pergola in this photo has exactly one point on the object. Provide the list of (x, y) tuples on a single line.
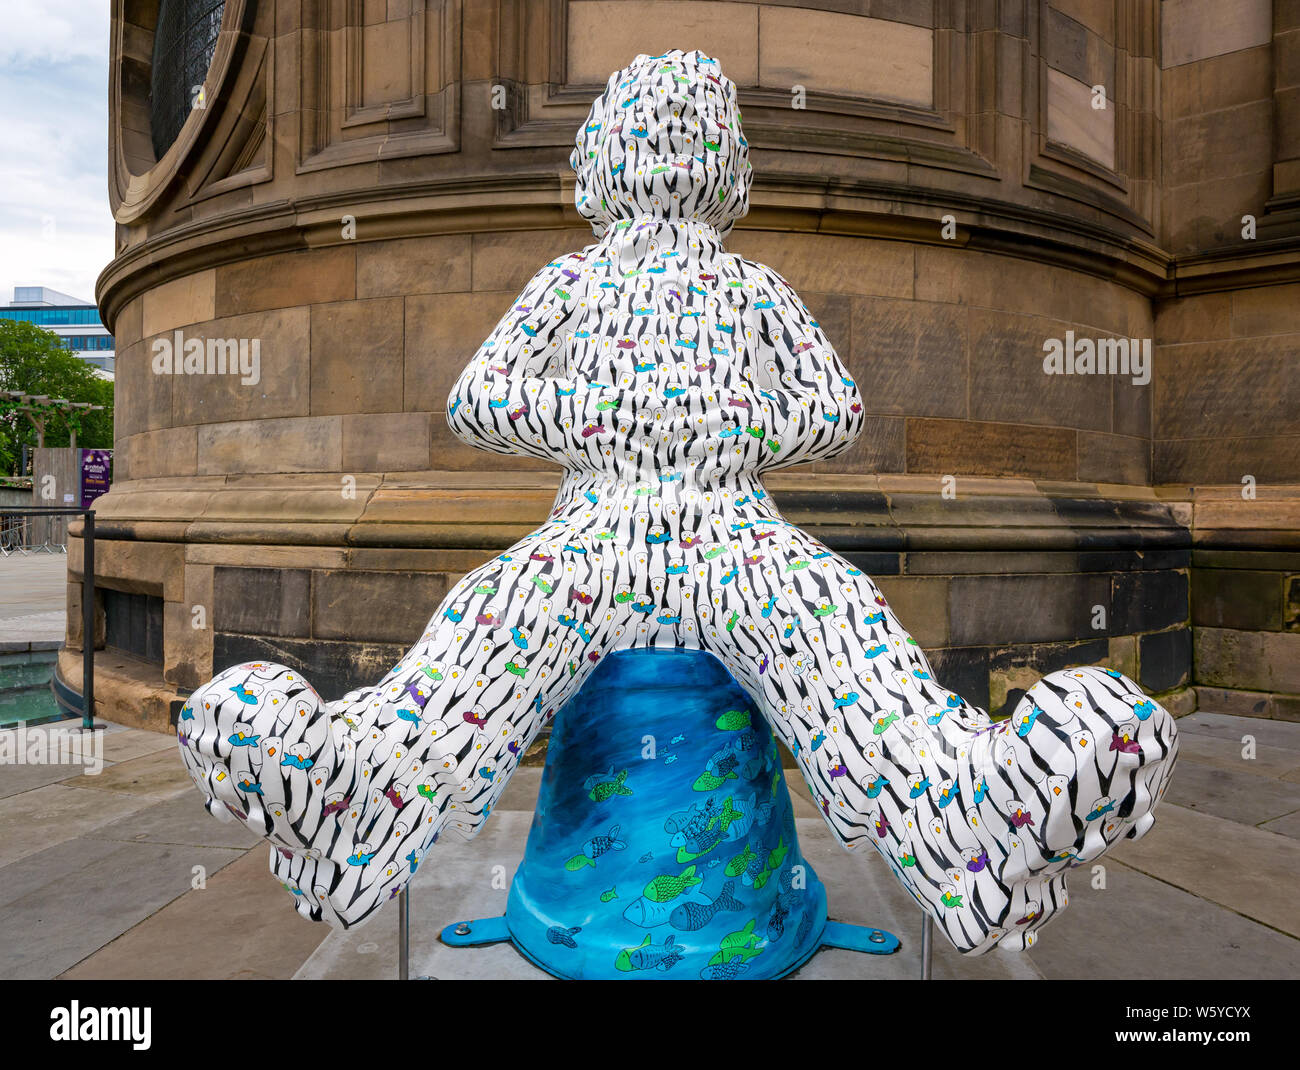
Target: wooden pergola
[(38, 406)]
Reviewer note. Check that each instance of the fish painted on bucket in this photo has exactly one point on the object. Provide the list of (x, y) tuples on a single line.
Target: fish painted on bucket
[(692, 916), (602, 787), (744, 943), (648, 956), (594, 848), (733, 720), (649, 913), (666, 887), (557, 934)]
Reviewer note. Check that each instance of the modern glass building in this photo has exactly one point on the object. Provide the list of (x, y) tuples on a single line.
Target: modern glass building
[(76, 322)]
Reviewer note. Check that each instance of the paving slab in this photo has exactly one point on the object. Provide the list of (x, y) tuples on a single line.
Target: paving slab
[(62, 861), (115, 743), (1140, 928), (522, 790), (1274, 762), (32, 584), (800, 801), (58, 924), (1245, 869), (240, 926), (127, 743), (51, 625), (48, 815), (182, 819), (861, 890), (1227, 726), (1288, 825), (15, 779), (1232, 794), (155, 775)]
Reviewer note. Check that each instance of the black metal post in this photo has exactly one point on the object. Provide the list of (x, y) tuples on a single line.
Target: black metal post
[(88, 620)]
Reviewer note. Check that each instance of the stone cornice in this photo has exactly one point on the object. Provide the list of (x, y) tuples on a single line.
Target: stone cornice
[(453, 510), (788, 203)]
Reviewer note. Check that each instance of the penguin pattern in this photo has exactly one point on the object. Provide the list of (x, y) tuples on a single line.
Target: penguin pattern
[(666, 375)]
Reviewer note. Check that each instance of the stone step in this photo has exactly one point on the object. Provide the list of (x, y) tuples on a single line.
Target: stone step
[(26, 674)]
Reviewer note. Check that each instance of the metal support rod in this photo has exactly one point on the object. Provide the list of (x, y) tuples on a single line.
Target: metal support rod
[(927, 946), (88, 621), (404, 934)]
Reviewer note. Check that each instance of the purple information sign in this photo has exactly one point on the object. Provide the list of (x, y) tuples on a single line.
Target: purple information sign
[(96, 474)]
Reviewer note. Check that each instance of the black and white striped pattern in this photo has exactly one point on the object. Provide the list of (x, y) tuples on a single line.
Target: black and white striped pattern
[(666, 375)]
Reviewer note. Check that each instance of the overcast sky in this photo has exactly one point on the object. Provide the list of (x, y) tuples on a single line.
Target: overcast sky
[(55, 225)]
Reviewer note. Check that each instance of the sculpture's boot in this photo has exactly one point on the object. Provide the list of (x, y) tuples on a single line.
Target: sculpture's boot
[(982, 820), (258, 744), (322, 783)]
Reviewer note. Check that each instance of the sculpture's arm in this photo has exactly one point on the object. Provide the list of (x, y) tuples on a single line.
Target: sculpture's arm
[(508, 400), (807, 402)]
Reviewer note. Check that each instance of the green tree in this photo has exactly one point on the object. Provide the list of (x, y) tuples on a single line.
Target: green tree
[(33, 360)]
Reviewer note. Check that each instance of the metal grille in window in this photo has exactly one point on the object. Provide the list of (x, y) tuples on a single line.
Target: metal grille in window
[(183, 45), (133, 623)]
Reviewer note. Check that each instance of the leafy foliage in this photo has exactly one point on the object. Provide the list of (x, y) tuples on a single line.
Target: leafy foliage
[(33, 360)]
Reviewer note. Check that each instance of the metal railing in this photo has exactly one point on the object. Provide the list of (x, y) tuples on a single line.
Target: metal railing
[(87, 598), (19, 536)]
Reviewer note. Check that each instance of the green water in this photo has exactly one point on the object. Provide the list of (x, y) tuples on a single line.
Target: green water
[(25, 693)]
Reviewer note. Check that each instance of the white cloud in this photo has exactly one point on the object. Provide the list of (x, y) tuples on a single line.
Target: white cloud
[(39, 32), (56, 228)]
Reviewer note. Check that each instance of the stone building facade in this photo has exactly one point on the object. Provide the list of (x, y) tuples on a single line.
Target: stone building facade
[(364, 186)]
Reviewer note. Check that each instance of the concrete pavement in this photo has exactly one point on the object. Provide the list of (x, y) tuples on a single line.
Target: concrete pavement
[(33, 594), (98, 879)]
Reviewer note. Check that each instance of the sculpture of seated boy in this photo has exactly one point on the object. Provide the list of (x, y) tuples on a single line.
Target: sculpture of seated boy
[(666, 375)]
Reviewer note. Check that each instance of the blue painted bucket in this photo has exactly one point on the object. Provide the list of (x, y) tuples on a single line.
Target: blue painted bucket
[(663, 844)]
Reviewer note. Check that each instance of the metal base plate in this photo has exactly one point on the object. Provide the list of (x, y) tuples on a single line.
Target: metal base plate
[(862, 938), (476, 933), (859, 938)]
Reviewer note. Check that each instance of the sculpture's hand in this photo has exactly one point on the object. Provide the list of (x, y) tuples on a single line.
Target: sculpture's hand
[(808, 406), (570, 421), (510, 398)]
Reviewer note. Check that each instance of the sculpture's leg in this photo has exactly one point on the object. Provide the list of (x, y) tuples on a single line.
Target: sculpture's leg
[(978, 819), (352, 795)]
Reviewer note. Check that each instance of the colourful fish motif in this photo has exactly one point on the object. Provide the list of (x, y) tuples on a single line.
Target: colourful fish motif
[(601, 788), (733, 720), (666, 887), (649, 957), (744, 943), (739, 863), (594, 848), (565, 937), (692, 916)]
